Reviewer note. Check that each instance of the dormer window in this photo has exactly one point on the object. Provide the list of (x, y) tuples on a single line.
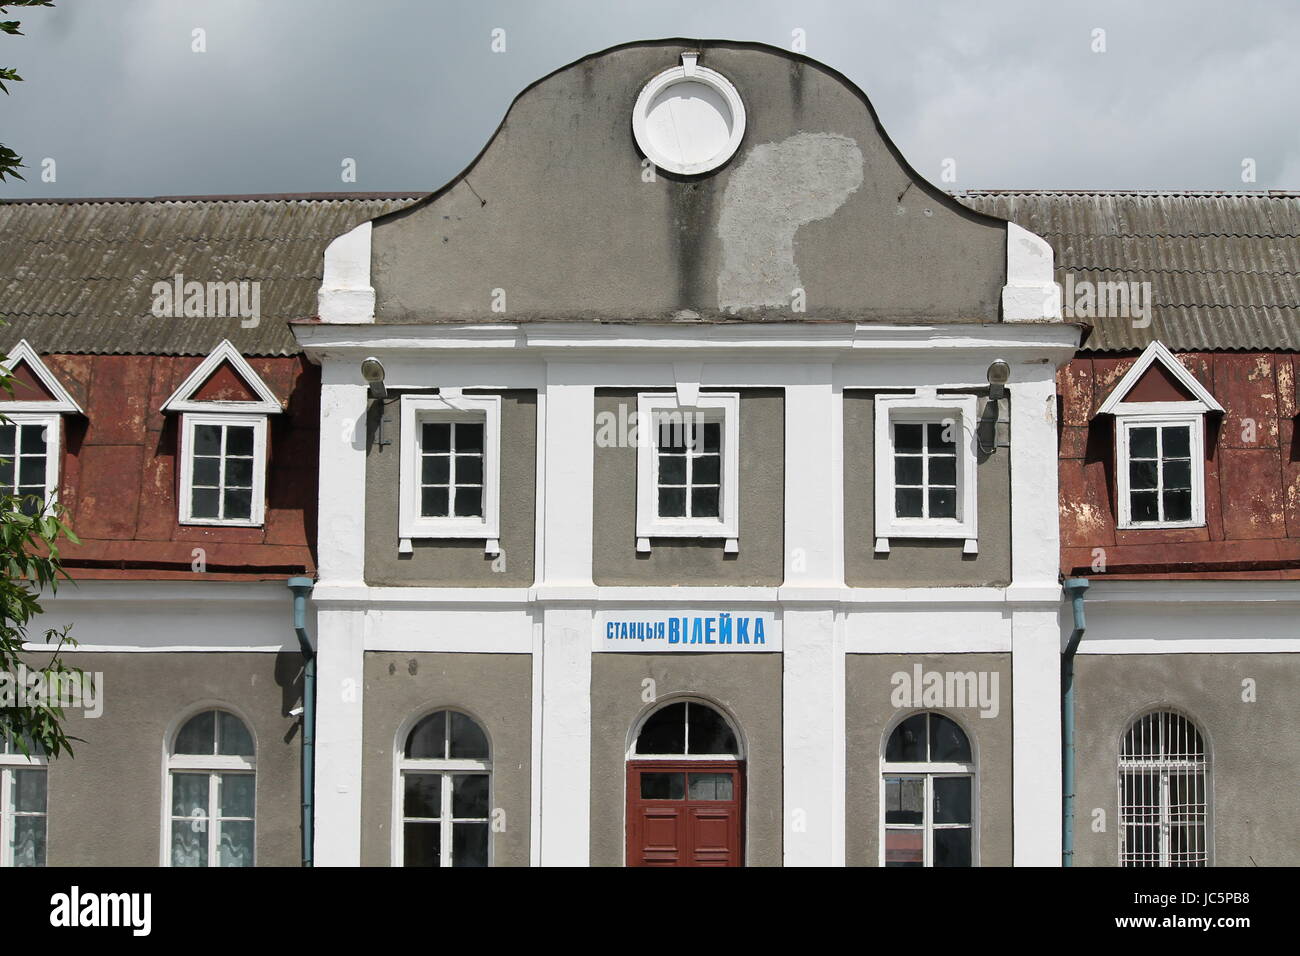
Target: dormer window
[(1160, 410), (224, 408), (31, 430)]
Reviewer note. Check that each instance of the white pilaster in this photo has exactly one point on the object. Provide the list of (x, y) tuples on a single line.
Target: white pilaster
[(564, 833), (339, 695), (1035, 628), (813, 646), (341, 515)]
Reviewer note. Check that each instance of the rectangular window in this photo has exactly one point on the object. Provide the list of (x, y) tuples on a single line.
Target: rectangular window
[(223, 469), (450, 468), (1161, 471), (688, 468), (445, 819), (925, 469), (29, 457), (925, 474)]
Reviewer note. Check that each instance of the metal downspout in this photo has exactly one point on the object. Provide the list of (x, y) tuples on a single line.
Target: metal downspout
[(301, 588), (1075, 587)]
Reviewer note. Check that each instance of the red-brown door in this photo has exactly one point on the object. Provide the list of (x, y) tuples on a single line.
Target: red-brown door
[(686, 813)]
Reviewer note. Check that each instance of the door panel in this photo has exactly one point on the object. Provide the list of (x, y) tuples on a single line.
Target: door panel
[(673, 822)]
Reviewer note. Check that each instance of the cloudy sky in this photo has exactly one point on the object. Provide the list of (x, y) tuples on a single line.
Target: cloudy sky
[(1017, 93)]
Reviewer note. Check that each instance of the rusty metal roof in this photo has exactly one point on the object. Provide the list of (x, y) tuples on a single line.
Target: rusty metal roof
[(1224, 268), (76, 276)]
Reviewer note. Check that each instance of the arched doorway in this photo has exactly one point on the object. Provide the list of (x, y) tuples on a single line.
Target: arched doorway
[(685, 789)]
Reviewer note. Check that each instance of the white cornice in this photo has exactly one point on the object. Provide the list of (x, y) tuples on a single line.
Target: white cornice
[(348, 341)]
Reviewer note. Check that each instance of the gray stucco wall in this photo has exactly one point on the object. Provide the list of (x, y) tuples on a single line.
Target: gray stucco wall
[(559, 217), (919, 562), (687, 561), (496, 689), (452, 562), (746, 686), (870, 714), (105, 803), (1254, 748)]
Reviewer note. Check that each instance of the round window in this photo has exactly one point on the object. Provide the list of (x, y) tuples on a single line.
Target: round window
[(689, 119)]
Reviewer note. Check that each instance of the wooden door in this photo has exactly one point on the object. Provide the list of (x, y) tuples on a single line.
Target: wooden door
[(685, 813)]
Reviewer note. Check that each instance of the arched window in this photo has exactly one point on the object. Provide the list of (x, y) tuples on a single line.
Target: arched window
[(929, 794), (1162, 806), (686, 729), (444, 790), (22, 803), (211, 792)]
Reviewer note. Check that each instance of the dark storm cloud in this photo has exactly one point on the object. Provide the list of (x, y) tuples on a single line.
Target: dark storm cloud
[(1012, 93)]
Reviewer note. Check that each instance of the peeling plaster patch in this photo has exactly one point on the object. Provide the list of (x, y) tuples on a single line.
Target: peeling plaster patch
[(778, 188)]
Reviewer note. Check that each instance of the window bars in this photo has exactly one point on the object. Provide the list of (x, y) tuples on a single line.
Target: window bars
[(1162, 793)]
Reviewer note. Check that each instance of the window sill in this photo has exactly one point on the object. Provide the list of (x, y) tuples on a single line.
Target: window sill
[(730, 540), (217, 523)]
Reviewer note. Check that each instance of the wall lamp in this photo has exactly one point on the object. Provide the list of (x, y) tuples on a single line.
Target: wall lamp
[(998, 375), (372, 370)]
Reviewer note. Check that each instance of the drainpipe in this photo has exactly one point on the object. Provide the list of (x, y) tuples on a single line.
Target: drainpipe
[(301, 587), (1075, 587)]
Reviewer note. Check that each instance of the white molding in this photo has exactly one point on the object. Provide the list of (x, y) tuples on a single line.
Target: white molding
[(346, 295), (182, 399), (688, 71), (711, 405), (1129, 417), (415, 411), (1031, 293), (1156, 352), (923, 408), (358, 341), (61, 403), (189, 421), (1192, 592)]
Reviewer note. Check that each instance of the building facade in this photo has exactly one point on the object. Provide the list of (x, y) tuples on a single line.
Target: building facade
[(1190, 545), (676, 486)]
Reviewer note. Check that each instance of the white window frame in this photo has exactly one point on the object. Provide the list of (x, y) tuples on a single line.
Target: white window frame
[(927, 408), (711, 406), (445, 766), (53, 422), (11, 759), (928, 771), (1155, 414), (419, 409), (213, 765), (189, 421)]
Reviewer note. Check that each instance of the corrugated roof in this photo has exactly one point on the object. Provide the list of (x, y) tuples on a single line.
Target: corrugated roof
[(77, 276), (1224, 268)]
